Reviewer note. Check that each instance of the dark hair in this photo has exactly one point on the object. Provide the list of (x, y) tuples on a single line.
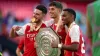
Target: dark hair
[(42, 8), (56, 4), (71, 11)]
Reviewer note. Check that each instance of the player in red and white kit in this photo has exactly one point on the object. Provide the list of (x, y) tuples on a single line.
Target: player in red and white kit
[(74, 42), (30, 30), (55, 9)]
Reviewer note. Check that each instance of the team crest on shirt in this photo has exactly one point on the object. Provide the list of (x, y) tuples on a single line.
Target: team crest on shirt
[(31, 36)]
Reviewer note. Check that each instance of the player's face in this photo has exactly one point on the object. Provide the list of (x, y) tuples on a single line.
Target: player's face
[(53, 11), (38, 15), (66, 17)]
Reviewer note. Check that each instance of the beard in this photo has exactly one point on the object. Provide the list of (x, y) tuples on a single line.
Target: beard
[(37, 21)]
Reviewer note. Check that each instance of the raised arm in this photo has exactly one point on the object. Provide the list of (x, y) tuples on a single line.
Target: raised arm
[(13, 31)]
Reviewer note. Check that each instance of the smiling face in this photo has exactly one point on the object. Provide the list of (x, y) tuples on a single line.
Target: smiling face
[(53, 11), (38, 15), (66, 17)]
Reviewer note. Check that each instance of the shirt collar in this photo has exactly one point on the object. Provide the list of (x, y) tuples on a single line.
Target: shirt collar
[(71, 24)]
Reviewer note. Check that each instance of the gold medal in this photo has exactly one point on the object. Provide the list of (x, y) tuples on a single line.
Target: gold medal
[(33, 25), (33, 20)]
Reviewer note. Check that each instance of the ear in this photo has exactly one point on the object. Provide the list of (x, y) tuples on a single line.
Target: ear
[(59, 10), (72, 16), (44, 14)]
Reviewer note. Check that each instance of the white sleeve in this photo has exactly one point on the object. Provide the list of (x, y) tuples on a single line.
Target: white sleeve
[(49, 22), (74, 34), (66, 28), (22, 30)]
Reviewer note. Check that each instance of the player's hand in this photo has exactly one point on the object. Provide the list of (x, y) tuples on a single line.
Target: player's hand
[(35, 45), (54, 44), (16, 28)]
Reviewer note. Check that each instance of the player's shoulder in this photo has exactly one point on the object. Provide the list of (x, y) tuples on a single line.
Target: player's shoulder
[(49, 22), (75, 26)]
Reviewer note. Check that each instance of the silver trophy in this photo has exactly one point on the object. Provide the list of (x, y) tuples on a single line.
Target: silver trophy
[(44, 39)]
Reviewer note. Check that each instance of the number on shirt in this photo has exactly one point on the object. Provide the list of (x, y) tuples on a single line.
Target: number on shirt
[(82, 46)]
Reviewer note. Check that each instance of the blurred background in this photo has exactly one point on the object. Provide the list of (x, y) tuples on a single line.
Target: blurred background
[(19, 12)]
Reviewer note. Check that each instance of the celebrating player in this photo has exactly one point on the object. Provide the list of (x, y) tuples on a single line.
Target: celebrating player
[(30, 30)]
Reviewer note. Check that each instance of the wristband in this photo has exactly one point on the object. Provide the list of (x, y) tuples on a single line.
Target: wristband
[(60, 46)]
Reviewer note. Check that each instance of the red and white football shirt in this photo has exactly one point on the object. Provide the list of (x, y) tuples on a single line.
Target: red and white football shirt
[(29, 49), (61, 32), (74, 35)]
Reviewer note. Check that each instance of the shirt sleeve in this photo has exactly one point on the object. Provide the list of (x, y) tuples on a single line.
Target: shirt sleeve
[(21, 44), (74, 34), (22, 30), (49, 22)]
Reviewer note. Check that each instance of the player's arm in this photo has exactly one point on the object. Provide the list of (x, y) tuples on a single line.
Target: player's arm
[(20, 47), (73, 47), (18, 52), (18, 31), (75, 36), (13, 31)]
